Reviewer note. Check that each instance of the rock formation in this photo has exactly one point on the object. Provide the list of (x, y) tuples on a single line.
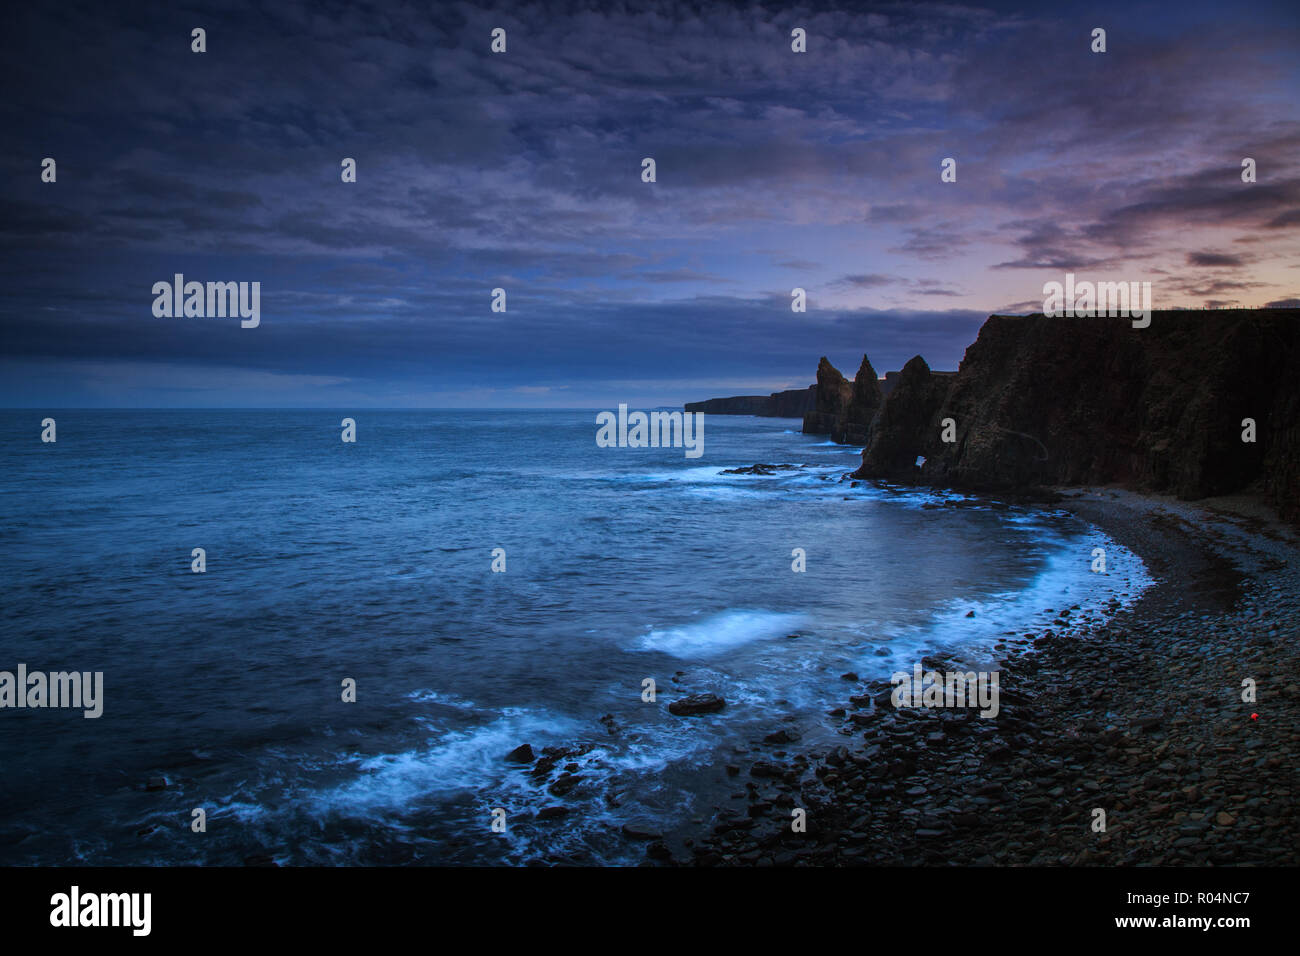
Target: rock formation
[(834, 393), (1060, 401), (891, 379), (910, 414), (794, 403), (863, 406)]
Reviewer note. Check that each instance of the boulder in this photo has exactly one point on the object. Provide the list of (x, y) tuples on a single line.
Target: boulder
[(641, 830), (521, 754), (697, 704)]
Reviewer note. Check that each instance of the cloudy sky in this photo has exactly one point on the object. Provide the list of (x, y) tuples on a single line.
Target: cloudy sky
[(522, 170)]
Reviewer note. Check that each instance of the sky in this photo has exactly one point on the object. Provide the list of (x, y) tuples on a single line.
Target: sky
[(522, 170)]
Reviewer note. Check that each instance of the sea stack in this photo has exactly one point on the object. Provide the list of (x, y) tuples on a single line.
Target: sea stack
[(834, 393), (863, 407)]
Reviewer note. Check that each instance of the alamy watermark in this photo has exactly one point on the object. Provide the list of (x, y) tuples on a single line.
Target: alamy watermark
[(57, 689), (75, 908), (653, 430), (1089, 300), (946, 689), (212, 300)]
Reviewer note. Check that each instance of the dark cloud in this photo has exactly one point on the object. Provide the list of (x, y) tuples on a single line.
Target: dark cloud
[(868, 281), (1215, 260), (523, 171)]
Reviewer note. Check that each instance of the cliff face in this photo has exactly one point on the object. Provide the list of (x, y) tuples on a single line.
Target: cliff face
[(864, 403), (795, 403), (833, 396), (739, 405), (1044, 401), (891, 379)]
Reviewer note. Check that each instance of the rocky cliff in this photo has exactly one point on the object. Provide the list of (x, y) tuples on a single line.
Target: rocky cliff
[(795, 403), (891, 379), (911, 411), (1058, 401)]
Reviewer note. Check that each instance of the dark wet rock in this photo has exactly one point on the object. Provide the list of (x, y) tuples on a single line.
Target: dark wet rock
[(902, 768), (563, 784), (156, 783), (838, 757), (760, 469), (544, 766), (697, 704), (641, 830), (521, 754), (782, 736)]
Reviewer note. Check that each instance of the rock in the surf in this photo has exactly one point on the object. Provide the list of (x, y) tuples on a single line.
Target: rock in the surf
[(697, 704)]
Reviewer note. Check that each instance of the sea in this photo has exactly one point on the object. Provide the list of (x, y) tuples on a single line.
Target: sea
[(379, 623)]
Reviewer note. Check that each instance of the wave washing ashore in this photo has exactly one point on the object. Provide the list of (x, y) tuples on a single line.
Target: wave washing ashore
[(522, 690)]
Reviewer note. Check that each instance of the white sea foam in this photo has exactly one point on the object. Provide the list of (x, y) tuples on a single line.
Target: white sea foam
[(458, 761), (690, 475), (441, 697), (725, 494), (1066, 580), (720, 633)]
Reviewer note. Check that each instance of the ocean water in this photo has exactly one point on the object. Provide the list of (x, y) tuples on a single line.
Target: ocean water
[(373, 561)]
